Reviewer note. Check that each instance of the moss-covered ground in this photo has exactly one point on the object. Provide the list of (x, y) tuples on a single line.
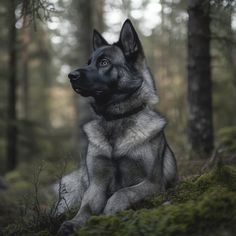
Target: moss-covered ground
[(198, 206)]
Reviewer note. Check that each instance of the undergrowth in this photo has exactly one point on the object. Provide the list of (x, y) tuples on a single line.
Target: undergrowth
[(202, 205)]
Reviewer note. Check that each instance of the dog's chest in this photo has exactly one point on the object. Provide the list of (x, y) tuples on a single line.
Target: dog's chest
[(113, 134), (128, 169), (121, 138), (126, 172)]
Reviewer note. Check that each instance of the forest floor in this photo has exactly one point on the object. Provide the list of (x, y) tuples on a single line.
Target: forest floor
[(202, 204), (198, 205)]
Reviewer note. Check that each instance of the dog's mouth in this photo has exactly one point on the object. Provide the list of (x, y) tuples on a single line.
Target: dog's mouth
[(88, 92), (82, 91)]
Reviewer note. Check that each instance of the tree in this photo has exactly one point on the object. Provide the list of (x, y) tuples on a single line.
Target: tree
[(25, 39), (223, 63), (85, 20), (200, 124), (12, 86), (230, 42), (32, 11)]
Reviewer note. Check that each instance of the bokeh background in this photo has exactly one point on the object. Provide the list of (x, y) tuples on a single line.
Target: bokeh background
[(54, 37)]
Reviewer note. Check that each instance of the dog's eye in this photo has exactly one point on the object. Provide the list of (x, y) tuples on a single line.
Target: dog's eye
[(104, 62)]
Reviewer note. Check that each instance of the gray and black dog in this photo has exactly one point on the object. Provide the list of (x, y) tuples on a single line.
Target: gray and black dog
[(128, 158)]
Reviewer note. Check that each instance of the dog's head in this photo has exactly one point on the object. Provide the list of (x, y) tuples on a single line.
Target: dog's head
[(113, 70)]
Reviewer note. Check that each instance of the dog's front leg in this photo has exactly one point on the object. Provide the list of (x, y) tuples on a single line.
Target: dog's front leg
[(94, 199), (125, 197)]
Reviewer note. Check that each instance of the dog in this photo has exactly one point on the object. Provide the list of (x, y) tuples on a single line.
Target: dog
[(128, 158)]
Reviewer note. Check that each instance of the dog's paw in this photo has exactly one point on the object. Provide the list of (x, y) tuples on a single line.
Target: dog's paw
[(67, 228), (117, 202)]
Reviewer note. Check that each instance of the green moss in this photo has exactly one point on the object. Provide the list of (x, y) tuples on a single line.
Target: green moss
[(215, 210), (205, 205), (227, 138), (34, 225), (42, 233), (16, 229), (7, 210)]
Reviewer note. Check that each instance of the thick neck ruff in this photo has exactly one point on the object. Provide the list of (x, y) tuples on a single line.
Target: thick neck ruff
[(145, 125)]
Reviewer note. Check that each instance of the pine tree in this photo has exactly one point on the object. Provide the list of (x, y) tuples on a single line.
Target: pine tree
[(200, 124)]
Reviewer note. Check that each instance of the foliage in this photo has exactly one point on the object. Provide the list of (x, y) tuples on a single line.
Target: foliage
[(36, 9), (203, 205)]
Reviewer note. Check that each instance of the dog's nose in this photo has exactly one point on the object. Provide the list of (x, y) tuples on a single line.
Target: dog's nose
[(74, 75)]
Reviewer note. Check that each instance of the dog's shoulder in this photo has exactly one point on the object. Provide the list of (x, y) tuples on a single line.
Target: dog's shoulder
[(95, 134), (150, 123), (142, 128), (145, 126)]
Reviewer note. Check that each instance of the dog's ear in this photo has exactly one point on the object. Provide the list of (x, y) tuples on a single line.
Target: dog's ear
[(129, 41), (98, 40)]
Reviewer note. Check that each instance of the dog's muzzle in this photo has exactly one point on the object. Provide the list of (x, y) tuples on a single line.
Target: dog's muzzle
[(74, 75), (83, 85)]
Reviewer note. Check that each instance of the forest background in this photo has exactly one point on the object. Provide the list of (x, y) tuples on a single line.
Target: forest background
[(42, 41)]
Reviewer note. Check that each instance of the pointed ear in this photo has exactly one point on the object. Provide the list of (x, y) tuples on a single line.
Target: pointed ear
[(98, 40), (129, 40)]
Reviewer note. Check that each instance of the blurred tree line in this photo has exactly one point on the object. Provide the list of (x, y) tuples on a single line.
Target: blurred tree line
[(41, 41)]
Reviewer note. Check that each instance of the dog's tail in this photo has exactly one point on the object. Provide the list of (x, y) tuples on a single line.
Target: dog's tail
[(70, 190)]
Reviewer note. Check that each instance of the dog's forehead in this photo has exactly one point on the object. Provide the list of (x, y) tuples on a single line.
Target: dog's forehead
[(112, 52)]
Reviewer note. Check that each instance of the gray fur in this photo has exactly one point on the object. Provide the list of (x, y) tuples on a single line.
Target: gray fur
[(128, 159), (71, 189)]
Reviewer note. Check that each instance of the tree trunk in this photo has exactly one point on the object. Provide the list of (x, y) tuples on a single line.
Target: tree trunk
[(98, 20), (11, 116), (88, 18), (83, 35), (200, 124), (25, 39), (230, 46)]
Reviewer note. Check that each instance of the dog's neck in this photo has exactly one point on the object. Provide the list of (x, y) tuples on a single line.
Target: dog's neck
[(117, 137), (119, 110), (128, 113), (126, 106)]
